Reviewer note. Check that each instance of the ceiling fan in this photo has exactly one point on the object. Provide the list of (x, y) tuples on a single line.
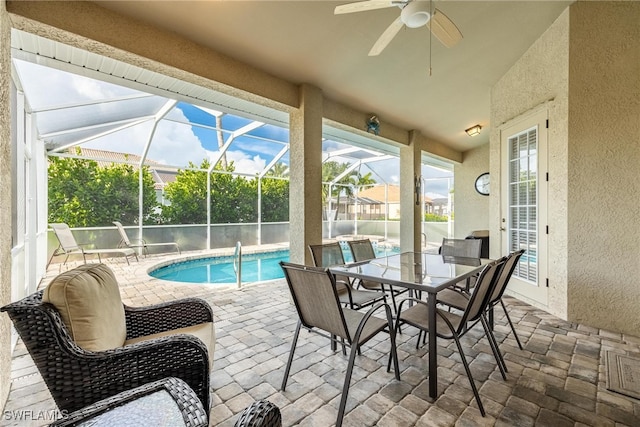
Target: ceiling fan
[(414, 14)]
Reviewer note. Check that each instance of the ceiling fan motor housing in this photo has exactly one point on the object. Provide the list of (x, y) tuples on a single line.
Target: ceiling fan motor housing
[(415, 14)]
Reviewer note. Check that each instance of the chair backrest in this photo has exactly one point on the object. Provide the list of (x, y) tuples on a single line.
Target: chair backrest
[(314, 294), (468, 248), (88, 300), (327, 254), (483, 289), (65, 237), (503, 280), (362, 250), (123, 233)]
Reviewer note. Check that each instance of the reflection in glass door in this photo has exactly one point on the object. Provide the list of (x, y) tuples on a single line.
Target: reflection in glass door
[(523, 230)]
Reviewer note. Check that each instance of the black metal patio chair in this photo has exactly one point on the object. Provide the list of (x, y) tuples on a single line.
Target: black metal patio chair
[(460, 300), (453, 326), (319, 310), (362, 250), (330, 254), (465, 248)]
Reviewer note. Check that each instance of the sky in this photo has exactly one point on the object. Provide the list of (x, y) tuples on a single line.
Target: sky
[(178, 139)]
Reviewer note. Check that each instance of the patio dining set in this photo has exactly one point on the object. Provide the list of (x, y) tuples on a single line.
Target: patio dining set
[(102, 359)]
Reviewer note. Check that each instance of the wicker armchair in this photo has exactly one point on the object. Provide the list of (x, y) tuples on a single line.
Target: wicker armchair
[(77, 377)]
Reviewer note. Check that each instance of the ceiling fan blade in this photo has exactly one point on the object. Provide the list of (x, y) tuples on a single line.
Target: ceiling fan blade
[(444, 29), (362, 6), (386, 37)]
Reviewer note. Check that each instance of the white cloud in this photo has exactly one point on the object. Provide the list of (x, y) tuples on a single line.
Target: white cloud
[(176, 144), (46, 86), (435, 195), (246, 164), (173, 144)]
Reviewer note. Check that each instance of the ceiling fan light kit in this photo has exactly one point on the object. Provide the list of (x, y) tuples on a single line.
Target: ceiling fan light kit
[(415, 14)]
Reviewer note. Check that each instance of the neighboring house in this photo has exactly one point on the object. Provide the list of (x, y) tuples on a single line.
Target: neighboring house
[(390, 194), (365, 208), (440, 206)]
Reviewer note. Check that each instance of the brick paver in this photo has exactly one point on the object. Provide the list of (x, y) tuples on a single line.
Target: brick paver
[(559, 378)]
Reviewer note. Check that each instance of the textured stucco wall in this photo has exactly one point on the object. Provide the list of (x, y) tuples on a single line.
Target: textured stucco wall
[(540, 75), (588, 62), (471, 208), (410, 218), (604, 165), (5, 202), (305, 155)]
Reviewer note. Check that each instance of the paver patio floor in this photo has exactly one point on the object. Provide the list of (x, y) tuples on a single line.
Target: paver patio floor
[(559, 378)]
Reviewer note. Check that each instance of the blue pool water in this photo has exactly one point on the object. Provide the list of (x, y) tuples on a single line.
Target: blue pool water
[(255, 267)]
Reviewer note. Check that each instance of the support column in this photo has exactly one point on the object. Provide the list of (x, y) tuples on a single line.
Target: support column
[(410, 170), (305, 176)]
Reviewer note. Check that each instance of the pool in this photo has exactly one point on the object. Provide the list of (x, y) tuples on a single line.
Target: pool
[(259, 267)]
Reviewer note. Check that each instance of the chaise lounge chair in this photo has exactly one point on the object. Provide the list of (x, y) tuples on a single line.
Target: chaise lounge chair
[(126, 243), (69, 246)]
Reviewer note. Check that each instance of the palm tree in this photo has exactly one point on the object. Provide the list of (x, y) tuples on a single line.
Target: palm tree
[(346, 184), (363, 181), (280, 170)]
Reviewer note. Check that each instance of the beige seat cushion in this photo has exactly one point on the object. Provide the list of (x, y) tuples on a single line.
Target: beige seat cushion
[(88, 299), (205, 331)]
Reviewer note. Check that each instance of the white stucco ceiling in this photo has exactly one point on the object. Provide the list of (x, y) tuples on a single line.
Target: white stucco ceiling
[(304, 42)]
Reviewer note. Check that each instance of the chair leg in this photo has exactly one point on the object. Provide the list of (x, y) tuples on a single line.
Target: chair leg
[(395, 332), (293, 348), (494, 348), (511, 324), (393, 299), (347, 382), (394, 351), (495, 341), (469, 376)]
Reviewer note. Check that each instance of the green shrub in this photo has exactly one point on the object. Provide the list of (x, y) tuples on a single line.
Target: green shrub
[(430, 217)]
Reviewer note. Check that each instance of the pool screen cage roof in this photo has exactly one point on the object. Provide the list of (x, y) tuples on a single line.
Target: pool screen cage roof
[(117, 112)]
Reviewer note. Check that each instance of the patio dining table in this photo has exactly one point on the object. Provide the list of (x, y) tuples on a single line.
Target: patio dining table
[(418, 271)]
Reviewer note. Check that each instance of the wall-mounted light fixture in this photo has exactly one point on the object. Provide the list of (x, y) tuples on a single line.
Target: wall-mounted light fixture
[(373, 125), (417, 183), (473, 130)]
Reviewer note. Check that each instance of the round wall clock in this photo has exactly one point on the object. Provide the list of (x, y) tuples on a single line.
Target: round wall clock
[(483, 183)]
